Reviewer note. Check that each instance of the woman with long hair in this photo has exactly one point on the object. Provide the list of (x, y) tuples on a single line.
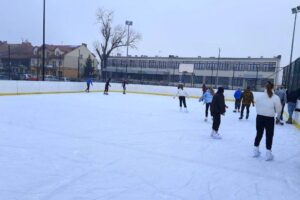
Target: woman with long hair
[(267, 107)]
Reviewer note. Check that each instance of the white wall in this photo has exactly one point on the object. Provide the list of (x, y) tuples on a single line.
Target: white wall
[(21, 87), (297, 114)]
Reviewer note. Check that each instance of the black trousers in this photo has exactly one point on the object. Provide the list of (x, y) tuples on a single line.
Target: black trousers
[(264, 123), (106, 89), (237, 104), (182, 100), (206, 109), (88, 87), (243, 108), (282, 110), (216, 121)]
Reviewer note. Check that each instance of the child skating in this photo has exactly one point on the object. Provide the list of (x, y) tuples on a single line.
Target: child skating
[(237, 97), (107, 85), (207, 99), (89, 82), (182, 95), (246, 98), (124, 83)]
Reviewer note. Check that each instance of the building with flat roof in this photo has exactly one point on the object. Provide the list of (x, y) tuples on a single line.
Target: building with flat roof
[(230, 73)]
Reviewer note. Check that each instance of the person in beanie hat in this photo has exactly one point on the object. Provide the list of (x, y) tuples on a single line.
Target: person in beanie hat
[(217, 108)]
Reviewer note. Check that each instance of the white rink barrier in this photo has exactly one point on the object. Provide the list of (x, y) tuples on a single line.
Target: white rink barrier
[(297, 114), (41, 87), (46, 87)]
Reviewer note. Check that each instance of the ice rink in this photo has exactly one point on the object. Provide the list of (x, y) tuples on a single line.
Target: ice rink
[(137, 147)]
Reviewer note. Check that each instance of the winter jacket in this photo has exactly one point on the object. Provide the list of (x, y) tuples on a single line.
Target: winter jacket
[(247, 97), (181, 93), (267, 106), (89, 81), (218, 104), (281, 93), (238, 94), (293, 96), (207, 97)]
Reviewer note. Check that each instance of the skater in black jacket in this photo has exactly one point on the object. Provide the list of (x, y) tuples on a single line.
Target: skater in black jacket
[(124, 83), (218, 108), (107, 85)]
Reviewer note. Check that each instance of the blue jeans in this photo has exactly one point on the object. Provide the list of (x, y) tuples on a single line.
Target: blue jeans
[(291, 108)]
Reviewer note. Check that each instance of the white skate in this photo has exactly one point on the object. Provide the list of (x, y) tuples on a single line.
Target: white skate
[(269, 155), (256, 152)]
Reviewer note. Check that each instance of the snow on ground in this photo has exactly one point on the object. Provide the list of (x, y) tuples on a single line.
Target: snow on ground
[(127, 147)]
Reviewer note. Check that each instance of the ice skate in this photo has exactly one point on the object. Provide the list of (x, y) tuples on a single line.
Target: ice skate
[(269, 155), (216, 135), (234, 111), (279, 122), (205, 119), (240, 118), (186, 110), (289, 121), (180, 109), (247, 116), (256, 152), (212, 133)]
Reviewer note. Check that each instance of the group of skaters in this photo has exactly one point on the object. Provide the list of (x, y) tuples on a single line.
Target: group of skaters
[(269, 109), (89, 82)]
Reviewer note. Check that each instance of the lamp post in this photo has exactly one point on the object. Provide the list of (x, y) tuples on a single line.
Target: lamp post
[(78, 67), (43, 59), (128, 24), (9, 62), (294, 11), (217, 75)]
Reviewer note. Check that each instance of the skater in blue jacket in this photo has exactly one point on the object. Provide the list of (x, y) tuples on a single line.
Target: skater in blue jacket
[(207, 99), (89, 82), (237, 97)]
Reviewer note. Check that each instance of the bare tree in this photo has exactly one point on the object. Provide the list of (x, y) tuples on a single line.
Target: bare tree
[(112, 37)]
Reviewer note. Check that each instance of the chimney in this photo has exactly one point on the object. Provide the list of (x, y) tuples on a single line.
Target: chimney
[(84, 44)]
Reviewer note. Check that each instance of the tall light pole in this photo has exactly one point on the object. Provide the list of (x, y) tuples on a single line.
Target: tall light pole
[(217, 79), (78, 67), (43, 59), (128, 24), (294, 11)]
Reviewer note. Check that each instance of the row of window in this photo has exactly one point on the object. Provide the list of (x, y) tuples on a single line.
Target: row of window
[(225, 66), (225, 81)]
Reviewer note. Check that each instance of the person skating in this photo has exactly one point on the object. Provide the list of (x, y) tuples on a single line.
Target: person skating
[(237, 97), (207, 99), (246, 99), (107, 85), (218, 108), (182, 95), (267, 107), (292, 103), (89, 82), (281, 93), (124, 83)]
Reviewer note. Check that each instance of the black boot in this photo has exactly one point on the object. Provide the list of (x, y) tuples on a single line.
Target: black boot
[(289, 121)]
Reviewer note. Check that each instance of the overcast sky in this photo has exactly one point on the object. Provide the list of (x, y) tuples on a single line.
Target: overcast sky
[(240, 28)]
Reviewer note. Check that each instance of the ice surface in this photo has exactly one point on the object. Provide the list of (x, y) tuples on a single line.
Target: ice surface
[(128, 147)]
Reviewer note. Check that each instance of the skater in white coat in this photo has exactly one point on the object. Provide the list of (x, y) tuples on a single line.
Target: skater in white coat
[(182, 95), (267, 107)]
